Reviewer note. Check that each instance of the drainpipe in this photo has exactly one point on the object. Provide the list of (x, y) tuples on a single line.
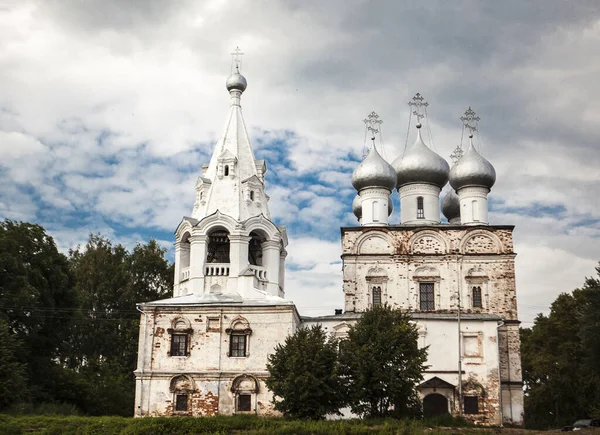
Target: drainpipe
[(220, 368), (460, 408), (500, 325), (143, 359)]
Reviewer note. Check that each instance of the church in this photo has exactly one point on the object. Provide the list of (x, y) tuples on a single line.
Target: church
[(204, 351)]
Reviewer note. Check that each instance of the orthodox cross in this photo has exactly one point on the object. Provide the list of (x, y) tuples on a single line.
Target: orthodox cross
[(456, 154), (236, 58), (420, 105), (470, 120), (372, 123)]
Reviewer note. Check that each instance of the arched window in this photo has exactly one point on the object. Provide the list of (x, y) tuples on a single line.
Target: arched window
[(226, 170), (239, 332), (244, 388), (218, 247), (184, 257), (375, 210), (475, 209), (180, 332), (252, 195), (182, 387), (420, 208), (376, 296), (477, 300), (255, 253)]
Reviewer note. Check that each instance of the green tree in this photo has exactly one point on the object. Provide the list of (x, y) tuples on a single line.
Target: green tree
[(304, 375), (382, 364), (110, 280), (37, 302), (559, 359), (13, 383)]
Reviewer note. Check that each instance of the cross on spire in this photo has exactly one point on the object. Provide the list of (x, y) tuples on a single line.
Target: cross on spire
[(236, 57), (372, 122), (470, 120), (419, 104), (456, 154)]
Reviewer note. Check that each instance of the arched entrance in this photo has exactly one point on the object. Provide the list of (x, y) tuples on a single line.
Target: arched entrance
[(435, 404)]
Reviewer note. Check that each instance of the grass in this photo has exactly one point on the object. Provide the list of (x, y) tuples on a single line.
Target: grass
[(239, 424)]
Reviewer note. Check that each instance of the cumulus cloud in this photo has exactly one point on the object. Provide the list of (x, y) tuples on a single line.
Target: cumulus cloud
[(108, 110)]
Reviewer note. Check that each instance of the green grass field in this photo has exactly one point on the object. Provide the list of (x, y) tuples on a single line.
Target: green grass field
[(45, 424)]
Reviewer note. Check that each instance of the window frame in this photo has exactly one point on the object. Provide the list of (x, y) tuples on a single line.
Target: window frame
[(234, 351), (420, 207), (246, 396), (427, 288), (476, 301), (178, 402), (376, 296), (177, 345), (470, 404)]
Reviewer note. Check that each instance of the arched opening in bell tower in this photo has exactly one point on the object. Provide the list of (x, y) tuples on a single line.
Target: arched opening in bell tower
[(218, 247), (255, 251)]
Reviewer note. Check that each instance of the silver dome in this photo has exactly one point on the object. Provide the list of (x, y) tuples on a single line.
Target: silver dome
[(357, 207), (236, 81), (451, 206), (421, 165), (390, 206), (472, 170), (374, 171)]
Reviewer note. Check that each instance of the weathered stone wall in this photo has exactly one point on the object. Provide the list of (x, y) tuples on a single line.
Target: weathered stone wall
[(455, 258), (209, 370)]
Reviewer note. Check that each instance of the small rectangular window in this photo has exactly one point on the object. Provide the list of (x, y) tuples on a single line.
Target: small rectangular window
[(477, 301), (181, 402), (179, 344), (237, 346), (244, 402), (420, 208), (375, 210), (426, 296), (471, 404), (376, 296)]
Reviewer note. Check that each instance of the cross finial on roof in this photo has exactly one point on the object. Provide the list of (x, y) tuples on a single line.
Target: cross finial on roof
[(237, 58), (420, 105), (470, 120), (372, 122), (456, 154)]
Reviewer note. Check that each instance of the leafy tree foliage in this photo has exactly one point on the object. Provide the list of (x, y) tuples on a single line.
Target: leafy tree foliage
[(109, 281), (69, 325), (561, 364), (304, 375), (37, 302), (382, 364)]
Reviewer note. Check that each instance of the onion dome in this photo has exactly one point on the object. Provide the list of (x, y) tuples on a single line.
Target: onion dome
[(390, 206), (472, 170), (421, 165), (357, 207), (374, 171), (236, 81), (451, 206)]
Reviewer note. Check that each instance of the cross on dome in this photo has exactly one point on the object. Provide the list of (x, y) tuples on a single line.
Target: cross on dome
[(420, 105), (372, 123), (470, 120), (456, 154), (236, 57)]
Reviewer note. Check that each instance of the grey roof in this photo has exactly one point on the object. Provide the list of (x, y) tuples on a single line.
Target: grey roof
[(421, 165), (451, 205), (472, 170), (216, 299), (374, 171)]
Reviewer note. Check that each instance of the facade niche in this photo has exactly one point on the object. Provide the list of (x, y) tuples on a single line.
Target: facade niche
[(184, 254), (255, 252), (244, 389), (181, 387), (218, 247)]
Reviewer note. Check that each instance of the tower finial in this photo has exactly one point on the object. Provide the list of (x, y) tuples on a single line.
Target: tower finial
[(419, 105), (456, 154), (470, 121), (372, 125), (236, 58)]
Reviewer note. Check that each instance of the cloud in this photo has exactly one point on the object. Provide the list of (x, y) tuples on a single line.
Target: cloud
[(108, 110)]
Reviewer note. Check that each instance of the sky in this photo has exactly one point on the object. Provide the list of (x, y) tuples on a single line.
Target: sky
[(109, 108)]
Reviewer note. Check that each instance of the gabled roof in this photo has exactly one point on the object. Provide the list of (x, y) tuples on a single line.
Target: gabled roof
[(436, 382)]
